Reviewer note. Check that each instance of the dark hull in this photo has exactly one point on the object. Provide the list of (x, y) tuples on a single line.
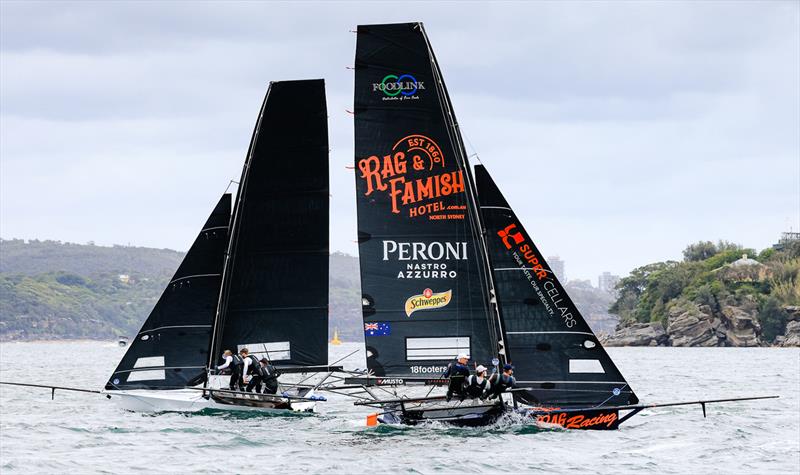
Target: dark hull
[(590, 419), (252, 400), (485, 414), (454, 413)]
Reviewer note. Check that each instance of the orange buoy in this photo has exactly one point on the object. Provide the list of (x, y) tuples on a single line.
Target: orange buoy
[(372, 419)]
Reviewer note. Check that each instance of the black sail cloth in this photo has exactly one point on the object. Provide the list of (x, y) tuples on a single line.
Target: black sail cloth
[(171, 349), (275, 293), (554, 351), (423, 294)]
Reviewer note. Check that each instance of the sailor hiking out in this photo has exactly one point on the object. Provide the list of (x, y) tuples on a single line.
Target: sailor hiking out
[(458, 372), (477, 384), (498, 383)]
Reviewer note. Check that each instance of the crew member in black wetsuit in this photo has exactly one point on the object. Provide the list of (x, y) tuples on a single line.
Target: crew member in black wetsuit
[(267, 374), (249, 369), (500, 382), (477, 384), (232, 366), (237, 362), (458, 373)]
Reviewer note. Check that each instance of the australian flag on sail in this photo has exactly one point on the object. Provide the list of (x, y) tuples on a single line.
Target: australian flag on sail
[(377, 329)]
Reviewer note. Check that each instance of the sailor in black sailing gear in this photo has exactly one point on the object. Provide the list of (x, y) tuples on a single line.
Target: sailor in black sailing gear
[(249, 365), (458, 373), (232, 366), (498, 383), (477, 384), (236, 372), (267, 374)]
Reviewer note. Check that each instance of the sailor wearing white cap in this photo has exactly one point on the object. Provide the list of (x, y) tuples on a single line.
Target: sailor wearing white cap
[(458, 373), (477, 383)]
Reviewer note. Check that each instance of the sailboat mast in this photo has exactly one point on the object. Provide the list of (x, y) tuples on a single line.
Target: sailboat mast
[(219, 318), (473, 210)]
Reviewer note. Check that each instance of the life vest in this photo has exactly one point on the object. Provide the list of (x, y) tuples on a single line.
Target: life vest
[(266, 372), (458, 374), (503, 382), (253, 367), (236, 364), (473, 388)]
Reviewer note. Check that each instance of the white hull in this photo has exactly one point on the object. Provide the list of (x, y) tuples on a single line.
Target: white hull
[(192, 400)]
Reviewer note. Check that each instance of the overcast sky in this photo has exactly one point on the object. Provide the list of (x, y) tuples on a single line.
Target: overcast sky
[(639, 127)]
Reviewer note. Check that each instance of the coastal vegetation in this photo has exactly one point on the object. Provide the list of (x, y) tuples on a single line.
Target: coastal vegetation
[(720, 294)]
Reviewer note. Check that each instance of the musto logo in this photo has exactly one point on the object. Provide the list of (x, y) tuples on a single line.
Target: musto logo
[(394, 87), (428, 300), (425, 260), (421, 156)]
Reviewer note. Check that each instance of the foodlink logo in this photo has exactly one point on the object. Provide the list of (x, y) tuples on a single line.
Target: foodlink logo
[(396, 87), (428, 300)]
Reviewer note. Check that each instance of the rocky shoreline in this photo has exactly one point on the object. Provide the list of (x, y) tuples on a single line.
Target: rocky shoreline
[(698, 325)]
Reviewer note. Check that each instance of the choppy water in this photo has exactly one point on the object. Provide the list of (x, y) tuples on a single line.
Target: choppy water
[(84, 433)]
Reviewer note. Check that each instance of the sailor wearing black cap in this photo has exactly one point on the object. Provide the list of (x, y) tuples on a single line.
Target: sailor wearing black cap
[(477, 384), (458, 372), (500, 382)]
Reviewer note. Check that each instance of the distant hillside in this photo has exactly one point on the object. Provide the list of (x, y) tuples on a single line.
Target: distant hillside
[(51, 290)]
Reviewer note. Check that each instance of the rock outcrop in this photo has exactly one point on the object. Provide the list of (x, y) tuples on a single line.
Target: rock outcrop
[(791, 337), (638, 334), (692, 325), (742, 327)]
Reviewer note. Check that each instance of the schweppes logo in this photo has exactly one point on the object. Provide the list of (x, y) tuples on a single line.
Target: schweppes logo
[(428, 300)]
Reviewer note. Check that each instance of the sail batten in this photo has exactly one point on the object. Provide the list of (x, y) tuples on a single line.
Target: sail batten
[(177, 332), (275, 282)]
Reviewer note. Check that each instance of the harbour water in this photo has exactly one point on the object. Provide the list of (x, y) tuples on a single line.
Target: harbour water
[(83, 433)]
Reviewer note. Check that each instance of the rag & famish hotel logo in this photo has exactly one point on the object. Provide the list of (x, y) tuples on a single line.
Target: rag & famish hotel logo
[(394, 87), (421, 193)]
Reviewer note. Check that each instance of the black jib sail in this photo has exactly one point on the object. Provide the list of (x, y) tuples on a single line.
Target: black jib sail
[(275, 285), (424, 291), (171, 349), (554, 351)]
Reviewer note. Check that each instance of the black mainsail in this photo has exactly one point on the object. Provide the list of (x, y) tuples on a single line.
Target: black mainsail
[(171, 349), (425, 294), (555, 353), (275, 285)]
